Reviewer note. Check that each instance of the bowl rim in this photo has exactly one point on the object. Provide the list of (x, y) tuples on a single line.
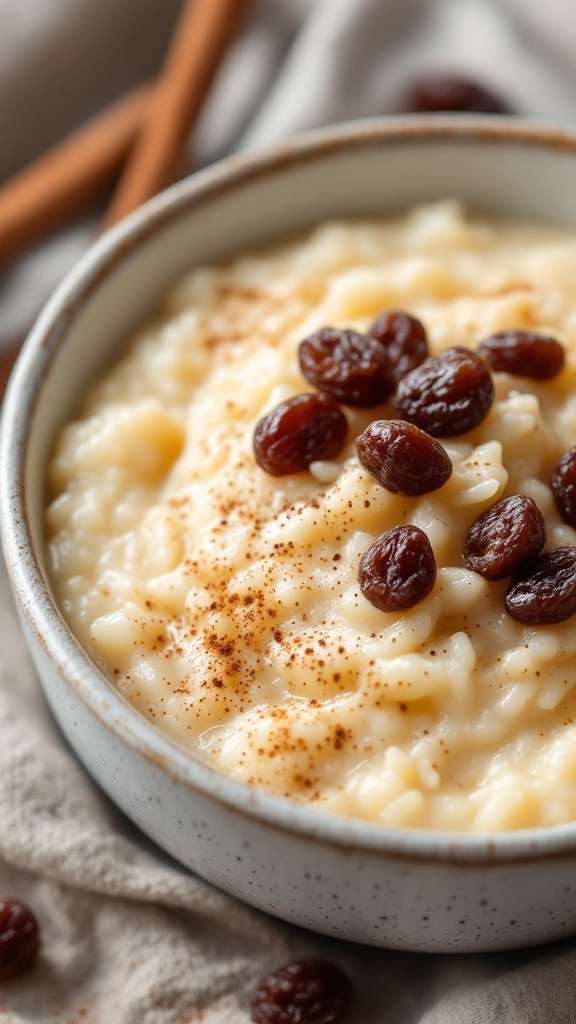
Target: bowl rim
[(27, 578)]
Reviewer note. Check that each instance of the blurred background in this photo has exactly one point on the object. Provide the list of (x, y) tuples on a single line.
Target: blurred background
[(294, 65)]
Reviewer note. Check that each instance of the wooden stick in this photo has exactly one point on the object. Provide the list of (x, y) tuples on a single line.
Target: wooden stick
[(7, 359), (203, 32), (70, 175)]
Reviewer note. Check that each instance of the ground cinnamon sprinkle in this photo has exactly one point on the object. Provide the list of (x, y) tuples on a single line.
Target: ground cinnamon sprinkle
[(227, 602)]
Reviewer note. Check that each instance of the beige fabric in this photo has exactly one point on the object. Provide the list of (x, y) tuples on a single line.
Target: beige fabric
[(129, 937)]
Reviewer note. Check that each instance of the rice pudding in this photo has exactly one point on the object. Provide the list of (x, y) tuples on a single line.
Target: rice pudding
[(224, 602)]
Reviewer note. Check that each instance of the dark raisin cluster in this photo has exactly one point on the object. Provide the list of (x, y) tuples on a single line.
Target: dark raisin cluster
[(346, 367), (303, 992), (441, 91), (19, 938), (435, 397)]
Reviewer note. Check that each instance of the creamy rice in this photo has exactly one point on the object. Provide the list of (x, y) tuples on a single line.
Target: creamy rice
[(224, 602)]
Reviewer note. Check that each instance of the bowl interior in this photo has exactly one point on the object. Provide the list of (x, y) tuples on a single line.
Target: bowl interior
[(365, 169)]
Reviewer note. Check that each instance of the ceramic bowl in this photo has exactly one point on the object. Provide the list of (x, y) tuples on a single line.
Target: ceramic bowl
[(398, 888)]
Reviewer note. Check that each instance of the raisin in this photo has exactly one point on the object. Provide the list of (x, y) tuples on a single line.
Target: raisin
[(438, 91), (523, 354), (545, 592), (19, 938), (447, 394), (564, 486), (303, 992), (403, 458), (403, 337), (398, 570), (297, 432), (505, 538), (351, 367)]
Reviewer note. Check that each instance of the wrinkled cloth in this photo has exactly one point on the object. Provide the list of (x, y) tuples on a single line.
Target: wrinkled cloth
[(129, 937)]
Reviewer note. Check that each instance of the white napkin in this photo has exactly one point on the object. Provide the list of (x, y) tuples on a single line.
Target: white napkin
[(129, 937)]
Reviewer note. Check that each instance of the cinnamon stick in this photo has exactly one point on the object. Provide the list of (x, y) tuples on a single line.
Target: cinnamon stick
[(70, 175), (203, 32)]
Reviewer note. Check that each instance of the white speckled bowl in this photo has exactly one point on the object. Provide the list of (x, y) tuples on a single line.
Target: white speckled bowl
[(399, 888)]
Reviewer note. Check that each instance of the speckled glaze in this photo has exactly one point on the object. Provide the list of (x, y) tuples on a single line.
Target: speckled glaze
[(388, 887)]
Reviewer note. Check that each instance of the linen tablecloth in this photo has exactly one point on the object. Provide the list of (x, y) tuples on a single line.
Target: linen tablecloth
[(128, 936)]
